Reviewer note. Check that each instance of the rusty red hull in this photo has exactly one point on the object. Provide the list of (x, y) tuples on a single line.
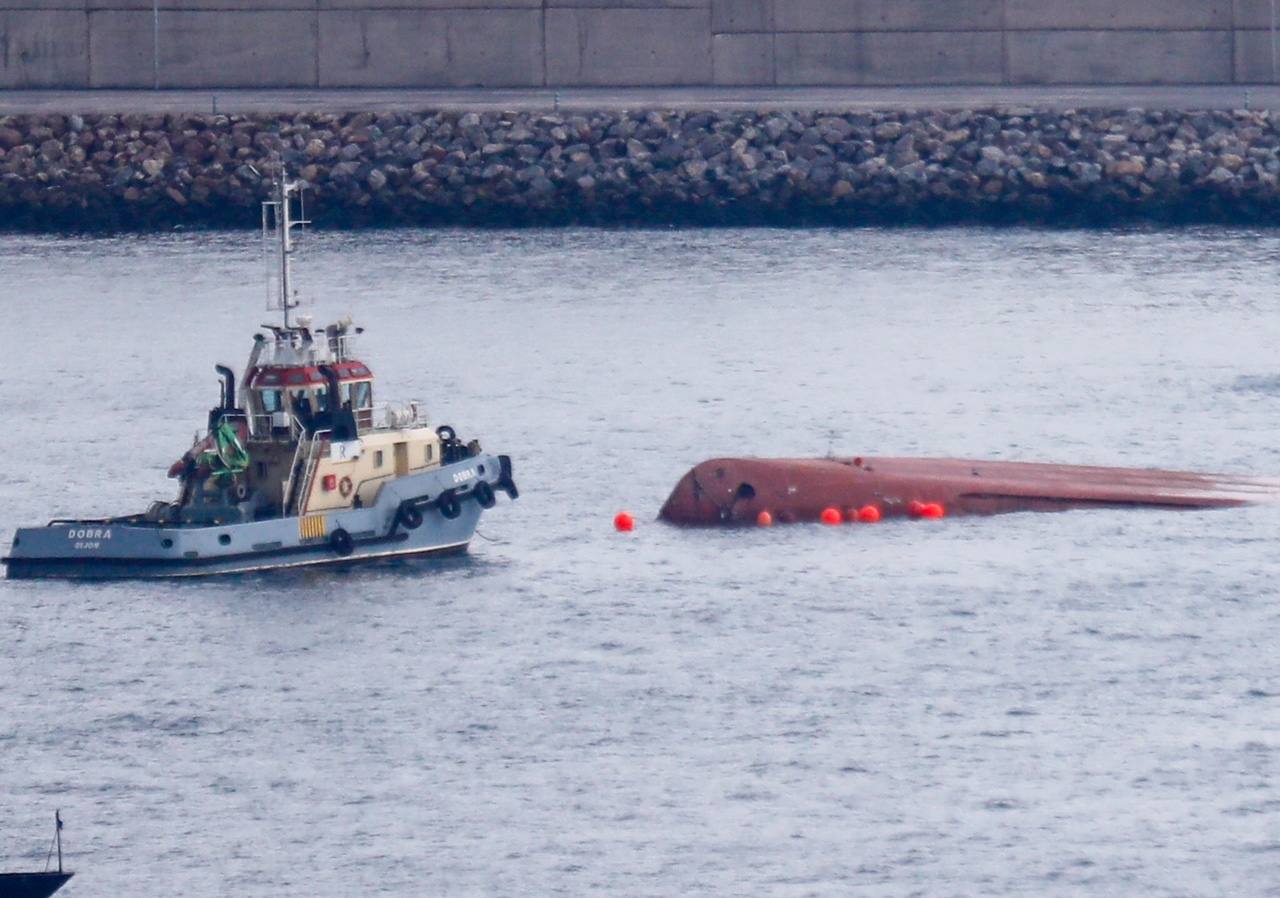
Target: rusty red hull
[(734, 491)]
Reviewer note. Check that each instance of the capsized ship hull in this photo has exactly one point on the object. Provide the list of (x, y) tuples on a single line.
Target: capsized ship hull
[(734, 491), (434, 512)]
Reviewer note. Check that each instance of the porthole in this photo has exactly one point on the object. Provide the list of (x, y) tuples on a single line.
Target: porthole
[(166, 543), (224, 539)]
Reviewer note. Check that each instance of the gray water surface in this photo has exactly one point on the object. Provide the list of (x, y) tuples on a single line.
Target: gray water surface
[(1039, 705)]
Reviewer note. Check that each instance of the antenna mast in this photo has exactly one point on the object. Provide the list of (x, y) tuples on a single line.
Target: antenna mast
[(277, 228), (57, 841)]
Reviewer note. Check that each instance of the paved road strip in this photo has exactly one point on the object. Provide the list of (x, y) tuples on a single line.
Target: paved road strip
[(684, 98)]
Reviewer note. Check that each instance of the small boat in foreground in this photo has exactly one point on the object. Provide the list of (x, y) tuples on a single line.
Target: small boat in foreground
[(37, 885), (738, 491), (31, 885), (308, 470)]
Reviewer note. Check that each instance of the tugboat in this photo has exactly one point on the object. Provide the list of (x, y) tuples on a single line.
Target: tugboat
[(37, 885), (299, 466)]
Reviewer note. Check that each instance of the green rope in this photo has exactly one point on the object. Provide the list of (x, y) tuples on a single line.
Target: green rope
[(228, 457)]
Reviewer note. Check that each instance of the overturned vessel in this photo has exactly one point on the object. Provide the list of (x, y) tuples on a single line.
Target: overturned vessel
[(299, 466), (739, 491)]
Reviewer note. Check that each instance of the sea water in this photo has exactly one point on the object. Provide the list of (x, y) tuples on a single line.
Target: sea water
[(1080, 703)]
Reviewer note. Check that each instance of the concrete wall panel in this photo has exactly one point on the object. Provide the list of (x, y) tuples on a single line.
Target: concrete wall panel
[(745, 59), (605, 47), (43, 48), (888, 15), (121, 49), (1174, 15), (242, 49), (457, 48), (741, 15), (1257, 57), (1119, 57), (889, 58), (427, 4), (181, 6), (42, 4), (628, 4), (1255, 13)]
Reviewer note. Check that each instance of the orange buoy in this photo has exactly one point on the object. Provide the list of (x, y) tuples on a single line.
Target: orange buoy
[(831, 516), (868, 514), (623, 522), (764, 519), (915, 508), (932, 510)]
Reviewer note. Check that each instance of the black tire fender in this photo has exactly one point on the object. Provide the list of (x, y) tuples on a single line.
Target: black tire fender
[(506, 482), (341, 542), (484, 494), (409, 515), (449, 505), (446, 433)]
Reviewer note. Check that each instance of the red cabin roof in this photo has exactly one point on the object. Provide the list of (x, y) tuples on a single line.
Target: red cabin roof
[(302, 375)]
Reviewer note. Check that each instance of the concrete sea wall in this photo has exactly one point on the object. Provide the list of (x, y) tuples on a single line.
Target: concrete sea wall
[(140, 171), (539, 43)]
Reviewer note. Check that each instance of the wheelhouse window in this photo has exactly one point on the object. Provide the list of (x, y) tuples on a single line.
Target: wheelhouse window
[(361, 394), (272, 400)]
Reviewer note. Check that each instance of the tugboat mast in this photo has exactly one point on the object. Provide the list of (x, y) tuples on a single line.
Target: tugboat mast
[(282, 224)]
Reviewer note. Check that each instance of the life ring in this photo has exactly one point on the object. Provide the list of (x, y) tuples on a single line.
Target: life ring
[(241, 491), (341, 542), (484, 494), (449, 505), (409, 516), (344, 487)]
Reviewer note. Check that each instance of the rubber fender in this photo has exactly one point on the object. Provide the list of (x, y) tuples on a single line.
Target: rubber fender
[(342, 542), (505, 481), (484, 495), (449, 505), (409, 515)]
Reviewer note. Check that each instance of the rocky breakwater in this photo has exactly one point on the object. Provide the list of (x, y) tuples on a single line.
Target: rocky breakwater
[(1014, 165)]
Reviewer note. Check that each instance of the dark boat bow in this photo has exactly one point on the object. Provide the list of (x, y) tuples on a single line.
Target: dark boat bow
[(31, 885)]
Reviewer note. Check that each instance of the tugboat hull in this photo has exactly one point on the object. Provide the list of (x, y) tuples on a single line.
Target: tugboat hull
[(31, 885), (734, 491), (435, 512)]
